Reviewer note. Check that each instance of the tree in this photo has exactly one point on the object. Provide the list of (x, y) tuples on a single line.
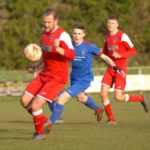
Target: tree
[(21, 23)]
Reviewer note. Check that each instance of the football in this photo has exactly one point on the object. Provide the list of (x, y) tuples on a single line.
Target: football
[(33, 52)]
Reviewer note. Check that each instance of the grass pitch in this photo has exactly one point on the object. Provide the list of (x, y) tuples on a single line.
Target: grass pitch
[(79, 131)]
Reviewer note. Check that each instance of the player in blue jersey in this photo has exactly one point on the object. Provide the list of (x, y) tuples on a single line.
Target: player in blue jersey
[(81, 76)]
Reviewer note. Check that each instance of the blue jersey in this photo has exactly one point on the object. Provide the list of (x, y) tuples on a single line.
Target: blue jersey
[(82, 63)]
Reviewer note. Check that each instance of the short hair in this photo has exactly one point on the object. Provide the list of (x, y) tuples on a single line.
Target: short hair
[(113, 17), (50, 11), (79, 26)]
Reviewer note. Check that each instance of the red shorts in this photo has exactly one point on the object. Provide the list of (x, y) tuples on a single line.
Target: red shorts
[(45, 87), (112, 77)]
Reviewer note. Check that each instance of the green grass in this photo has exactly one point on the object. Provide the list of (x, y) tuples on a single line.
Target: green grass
[(80, 131), (15, 75)]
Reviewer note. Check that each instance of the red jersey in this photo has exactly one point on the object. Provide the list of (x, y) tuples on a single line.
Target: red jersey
[(55, 65), (120, 43)]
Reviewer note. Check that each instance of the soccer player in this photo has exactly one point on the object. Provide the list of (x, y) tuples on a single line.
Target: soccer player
[(57, 51), (81, 75), (119, 48)]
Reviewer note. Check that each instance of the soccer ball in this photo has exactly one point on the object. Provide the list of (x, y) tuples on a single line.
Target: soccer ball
[(33, 52)]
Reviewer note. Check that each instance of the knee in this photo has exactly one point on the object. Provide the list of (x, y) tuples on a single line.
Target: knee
[(81, 99), (118, 98), (23, 102), (103, 95), (36, 105)]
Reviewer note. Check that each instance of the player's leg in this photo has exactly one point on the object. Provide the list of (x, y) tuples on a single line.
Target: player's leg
[(52, 106), (58, 109), (56, 113), (107, 82), (107, 107), (90, 103), (26, 101), (31, 90), (87, 100), (47, 93), (38, 117), (120, 96)]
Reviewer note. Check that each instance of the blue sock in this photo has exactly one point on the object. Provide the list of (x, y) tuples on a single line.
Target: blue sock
[(51, 106), (56, 113), (91, 104)]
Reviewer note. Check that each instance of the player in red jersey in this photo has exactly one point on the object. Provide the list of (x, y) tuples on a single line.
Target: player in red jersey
[(57, 52), (119, 48)]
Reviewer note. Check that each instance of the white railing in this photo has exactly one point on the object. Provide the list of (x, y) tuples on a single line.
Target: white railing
[(134, 83), (138, 79)]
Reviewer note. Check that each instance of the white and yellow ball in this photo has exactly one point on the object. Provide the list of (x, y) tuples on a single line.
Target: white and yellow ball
[(33, 52)]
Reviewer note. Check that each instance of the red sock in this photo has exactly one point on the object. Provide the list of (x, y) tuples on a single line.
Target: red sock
[(38, 123), (44, 119), (134, 98), (109, 112)]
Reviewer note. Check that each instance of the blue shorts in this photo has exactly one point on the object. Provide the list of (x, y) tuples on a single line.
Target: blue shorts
[(78, 87)]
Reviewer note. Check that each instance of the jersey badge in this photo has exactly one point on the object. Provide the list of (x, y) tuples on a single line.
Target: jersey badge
[(52, 37), (83, 52), (115, 40)]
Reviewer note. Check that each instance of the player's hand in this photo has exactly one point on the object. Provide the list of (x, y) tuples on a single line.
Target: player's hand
[(56, 43), (33, 68), (101, 49), (30, 70), (118, 70), (116, 55)]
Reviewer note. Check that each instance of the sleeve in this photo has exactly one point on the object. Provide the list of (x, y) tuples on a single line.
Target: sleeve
[(96, 50), (130, 50), (66, 44)]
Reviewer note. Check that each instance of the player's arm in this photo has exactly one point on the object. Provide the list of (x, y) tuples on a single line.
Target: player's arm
[(65, 51), (64, 46), (111, 63), (130, 50)]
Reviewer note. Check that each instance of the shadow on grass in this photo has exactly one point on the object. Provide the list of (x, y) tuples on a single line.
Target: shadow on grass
[(14, 138), (16, 134), (79, 123), (18, 121)]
